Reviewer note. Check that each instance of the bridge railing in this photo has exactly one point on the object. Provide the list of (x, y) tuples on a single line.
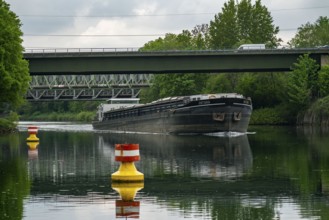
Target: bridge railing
[(79, 50)]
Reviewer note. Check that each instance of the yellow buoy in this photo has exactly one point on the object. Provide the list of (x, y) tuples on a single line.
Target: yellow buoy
[(32, 130), (127, 154)]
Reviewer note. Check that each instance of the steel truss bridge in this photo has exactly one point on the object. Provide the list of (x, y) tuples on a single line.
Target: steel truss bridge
[(86, 87)]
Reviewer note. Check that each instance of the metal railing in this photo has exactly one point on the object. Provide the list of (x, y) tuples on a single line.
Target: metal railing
[(79, 50)]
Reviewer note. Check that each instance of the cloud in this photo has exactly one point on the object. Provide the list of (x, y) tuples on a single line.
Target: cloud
[(119, 17)]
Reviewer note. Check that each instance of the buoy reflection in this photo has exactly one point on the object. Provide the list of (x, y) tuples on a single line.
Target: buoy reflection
[(127, 207)]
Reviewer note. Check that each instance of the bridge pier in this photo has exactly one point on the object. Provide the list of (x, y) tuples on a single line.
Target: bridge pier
[(324, 60)]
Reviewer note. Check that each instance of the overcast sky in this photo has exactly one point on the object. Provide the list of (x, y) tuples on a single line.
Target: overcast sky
[(132, 23)]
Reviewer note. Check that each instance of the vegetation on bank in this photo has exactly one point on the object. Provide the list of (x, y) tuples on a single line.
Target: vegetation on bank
[(316, 114), (60, 116), (59, 111), (7, 123)]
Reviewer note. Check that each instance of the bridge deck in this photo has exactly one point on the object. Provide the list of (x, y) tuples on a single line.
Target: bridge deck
[(214, 61)]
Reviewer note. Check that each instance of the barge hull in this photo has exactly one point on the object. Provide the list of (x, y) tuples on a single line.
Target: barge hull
[(200, 119)]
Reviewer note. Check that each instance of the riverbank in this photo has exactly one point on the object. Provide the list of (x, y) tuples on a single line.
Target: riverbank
[(317, 114), (8, 123), (85, 116)]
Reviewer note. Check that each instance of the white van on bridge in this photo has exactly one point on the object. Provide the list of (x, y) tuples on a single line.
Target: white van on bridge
[(252, 47)]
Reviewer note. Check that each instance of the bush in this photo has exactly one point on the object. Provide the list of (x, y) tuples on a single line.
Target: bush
[(316, 114), (8, 123), (85, 116), (268, 116), (60, 116)]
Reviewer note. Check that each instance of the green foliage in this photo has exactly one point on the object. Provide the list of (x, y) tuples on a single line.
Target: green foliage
[(59, 111), (317, 113), (200, 34), (14, 73), (321, 106), (217, 83), (262, 27), (85, 116), (267, 116), (312, 35), (302, 84), (166, 85), (8, 122), (58, 106), (194, 40), (264, 88), (242, 23), (324, 81), (224, 30), (170, 42)]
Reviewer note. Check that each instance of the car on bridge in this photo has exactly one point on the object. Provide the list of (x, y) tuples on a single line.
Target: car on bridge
[(252, 47)]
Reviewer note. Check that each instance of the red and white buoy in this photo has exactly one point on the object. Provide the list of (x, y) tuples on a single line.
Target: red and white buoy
[(33, 149), (32, 130), (124, 209), (127, 207), (127, 154)]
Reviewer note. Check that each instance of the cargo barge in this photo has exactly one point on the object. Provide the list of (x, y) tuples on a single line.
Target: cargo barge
[(197, 114)]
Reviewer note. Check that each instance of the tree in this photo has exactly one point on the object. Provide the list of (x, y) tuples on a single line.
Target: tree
[(14, 72), (324, 81), (221, 83), (200, 35), (312, 35), (166, 85), (242, 22), (224, 30), (264, 88), (182, 41), (302, 85)]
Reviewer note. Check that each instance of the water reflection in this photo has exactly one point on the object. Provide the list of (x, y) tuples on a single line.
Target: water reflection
[(278, 173), (74, 169), (14, 182), (90, 155), (32, 150), (127, 206), (190, 156)]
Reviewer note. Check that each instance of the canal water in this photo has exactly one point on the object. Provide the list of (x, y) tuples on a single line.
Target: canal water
[(269, 173)]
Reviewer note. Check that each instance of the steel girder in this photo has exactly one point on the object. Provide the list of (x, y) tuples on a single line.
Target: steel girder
[(87, 87)]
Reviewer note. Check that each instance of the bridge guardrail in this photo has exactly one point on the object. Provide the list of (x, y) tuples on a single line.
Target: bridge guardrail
[(78, 50)]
